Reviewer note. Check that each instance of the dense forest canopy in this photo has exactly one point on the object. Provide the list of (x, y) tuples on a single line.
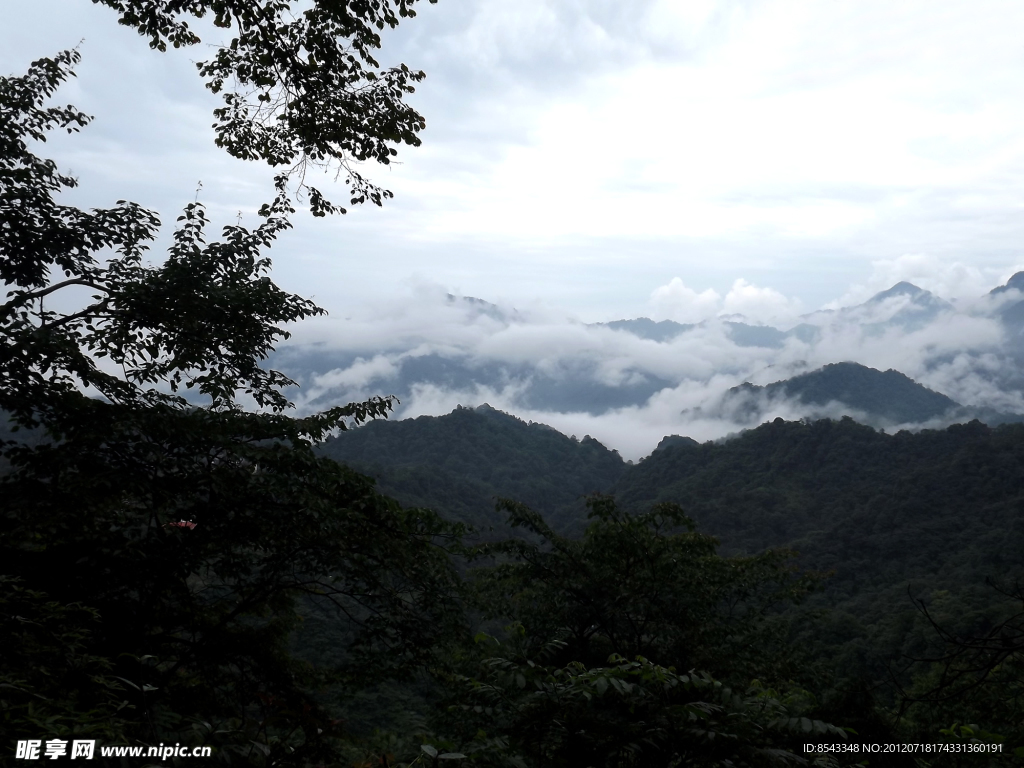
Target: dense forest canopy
[(189, 571), (158, 555), (905, 529)]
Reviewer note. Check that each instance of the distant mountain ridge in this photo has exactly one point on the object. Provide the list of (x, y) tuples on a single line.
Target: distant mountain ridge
[(1016, 282), (463, 461), (887, 395), (464, 349), (919, 296), (910, 305), (877, 398), (645, 328), (741, 334), (1012, 313)]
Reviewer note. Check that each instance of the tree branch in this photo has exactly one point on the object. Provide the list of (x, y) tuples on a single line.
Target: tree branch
[(31, 295), (90, 310)]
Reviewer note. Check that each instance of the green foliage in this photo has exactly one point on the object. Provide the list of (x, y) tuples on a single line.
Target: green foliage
[(558, 689), (461, 463), (298, 88), (96, 518), (50, 684), (641, 585), (621, 713), (888, 514), (889, 395), (204, 318), (164, 553), (893, 517), (972, 678)]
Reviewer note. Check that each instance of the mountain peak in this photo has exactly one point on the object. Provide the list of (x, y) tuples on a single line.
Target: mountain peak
[(887, 396), (919, 305), (1016, 282), (673, 440), (645, 328), (480, 307), (902, 288)]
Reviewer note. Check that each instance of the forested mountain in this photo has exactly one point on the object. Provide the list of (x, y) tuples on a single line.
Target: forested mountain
[(928, 515), (838, 491), (882, 399), (463, 462), (200, 572), (887, 514), (781, 483), (887, 395)]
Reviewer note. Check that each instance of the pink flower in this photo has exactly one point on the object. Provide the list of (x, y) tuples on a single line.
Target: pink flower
[(183, 524)]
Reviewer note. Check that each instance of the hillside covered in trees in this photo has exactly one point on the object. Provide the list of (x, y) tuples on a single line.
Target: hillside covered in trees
[(461, 463), (891, 522), (210, 572)]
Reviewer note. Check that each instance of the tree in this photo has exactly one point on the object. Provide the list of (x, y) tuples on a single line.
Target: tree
[(643, 585), (626, 713), (167, 547), (44, 666), (607, 659), (301, 90), (972, 689)]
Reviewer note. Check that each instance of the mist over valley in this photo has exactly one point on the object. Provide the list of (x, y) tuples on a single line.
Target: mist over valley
[(903, 359)]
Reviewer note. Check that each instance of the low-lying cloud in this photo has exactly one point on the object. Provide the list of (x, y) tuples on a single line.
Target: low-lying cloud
[(436, 350), (676, 301)]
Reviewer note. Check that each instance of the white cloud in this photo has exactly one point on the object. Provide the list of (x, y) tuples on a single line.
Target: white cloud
[(718, 137), (962, 354), (945, 277), (676, 301), (358, 375), (762, 304), (591, 149), (431, 400)]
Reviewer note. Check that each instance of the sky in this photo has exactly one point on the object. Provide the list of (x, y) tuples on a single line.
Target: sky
[(590, 160), (659, 158)]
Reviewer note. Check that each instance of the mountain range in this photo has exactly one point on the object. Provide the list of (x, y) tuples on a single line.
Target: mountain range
[(884, 399), (930, 515), (629, 382), (462, 461)]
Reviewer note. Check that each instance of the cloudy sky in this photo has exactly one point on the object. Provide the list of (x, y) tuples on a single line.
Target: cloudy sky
[(607, 159), (589, 160)]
